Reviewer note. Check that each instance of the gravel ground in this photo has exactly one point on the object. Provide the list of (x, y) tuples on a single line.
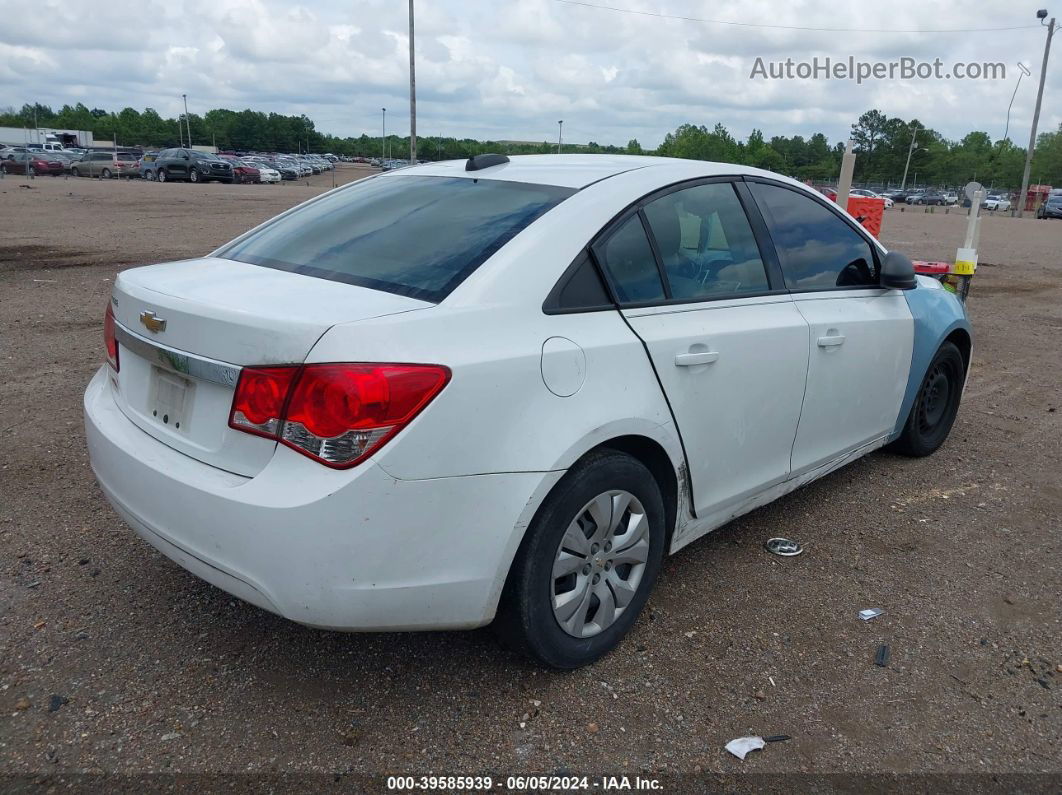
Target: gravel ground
[(113, 659)]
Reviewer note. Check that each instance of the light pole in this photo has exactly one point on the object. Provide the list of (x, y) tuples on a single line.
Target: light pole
[(1040, 15), (560, 134), (383, 134), (412, 95), (187, 121)]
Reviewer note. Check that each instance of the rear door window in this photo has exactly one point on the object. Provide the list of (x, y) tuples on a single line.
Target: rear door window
[(415, 236), (706, 243)]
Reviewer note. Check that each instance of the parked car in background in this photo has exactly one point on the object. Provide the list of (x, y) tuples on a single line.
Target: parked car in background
[(913, 194), (66, 158), (930, 197), (9, 152), (243, 171), (146, 165), (869, 194), (39, 163), (266, 175), (285, 170), (321, 428), (996, 202), (193, 166), (951, 197), (1052, 208), (105, 165)]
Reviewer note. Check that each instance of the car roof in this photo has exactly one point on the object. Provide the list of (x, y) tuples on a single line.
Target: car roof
[(576, 170)]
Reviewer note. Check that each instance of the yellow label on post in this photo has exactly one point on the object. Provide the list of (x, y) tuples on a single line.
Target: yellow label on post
[(964, 268)]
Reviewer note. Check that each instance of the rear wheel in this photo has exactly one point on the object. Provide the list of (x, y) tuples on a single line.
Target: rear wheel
[(105, 174), (32, 171), (935, 406), (149, 175), (586, 564), (193, 176), (74, 172), (161, 175)]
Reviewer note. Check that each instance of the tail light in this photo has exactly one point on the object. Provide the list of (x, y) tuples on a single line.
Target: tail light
[(337, 414), (108, 337)]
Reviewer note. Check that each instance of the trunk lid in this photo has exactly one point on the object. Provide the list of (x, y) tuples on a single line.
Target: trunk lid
[(202, 321)]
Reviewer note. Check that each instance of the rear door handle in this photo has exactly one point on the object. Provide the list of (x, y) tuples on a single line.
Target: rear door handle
[(831, 341), (692, 359)]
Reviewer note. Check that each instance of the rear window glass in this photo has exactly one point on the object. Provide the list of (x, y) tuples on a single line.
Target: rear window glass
[(415, 236), (124, 156)]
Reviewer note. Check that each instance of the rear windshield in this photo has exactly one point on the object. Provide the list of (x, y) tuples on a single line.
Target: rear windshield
[(415, 236), (125, 156)]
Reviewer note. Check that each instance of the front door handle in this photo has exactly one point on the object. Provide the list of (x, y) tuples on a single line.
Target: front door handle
[(693, 359), (831, 341)]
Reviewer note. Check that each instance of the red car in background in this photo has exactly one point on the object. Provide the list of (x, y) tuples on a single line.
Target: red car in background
[(36, 162), (242, 171)]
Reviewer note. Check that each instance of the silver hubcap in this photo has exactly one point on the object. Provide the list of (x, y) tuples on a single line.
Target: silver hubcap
[(599, 563)]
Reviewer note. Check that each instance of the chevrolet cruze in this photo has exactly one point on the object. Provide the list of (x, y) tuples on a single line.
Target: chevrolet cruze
[(501, 390)]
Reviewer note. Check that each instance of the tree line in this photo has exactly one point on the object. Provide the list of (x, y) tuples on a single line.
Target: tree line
[(881, 143)]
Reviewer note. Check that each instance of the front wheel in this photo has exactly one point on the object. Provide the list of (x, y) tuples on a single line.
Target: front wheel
[(587, 563), (193, 176), (936, 405), (149, 176), (162, 175), (74, 172), (105, 174)]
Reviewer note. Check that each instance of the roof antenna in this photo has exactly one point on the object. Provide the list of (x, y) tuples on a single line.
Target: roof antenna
[(479, 162)]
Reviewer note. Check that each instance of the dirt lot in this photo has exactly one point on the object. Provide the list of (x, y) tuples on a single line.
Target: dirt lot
[(113, 659)]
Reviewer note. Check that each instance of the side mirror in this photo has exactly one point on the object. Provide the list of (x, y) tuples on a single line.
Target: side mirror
[(185, 157), (897, 272)]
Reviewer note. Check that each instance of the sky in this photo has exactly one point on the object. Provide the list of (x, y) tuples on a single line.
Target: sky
[(510, 69)]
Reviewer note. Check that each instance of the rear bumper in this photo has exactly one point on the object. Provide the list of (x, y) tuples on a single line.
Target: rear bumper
[(339, 549)]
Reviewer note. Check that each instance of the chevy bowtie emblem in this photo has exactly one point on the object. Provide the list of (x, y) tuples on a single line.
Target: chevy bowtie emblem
[(152, 323)]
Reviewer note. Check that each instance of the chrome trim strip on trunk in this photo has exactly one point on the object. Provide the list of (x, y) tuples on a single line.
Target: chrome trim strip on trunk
[(177, 361)]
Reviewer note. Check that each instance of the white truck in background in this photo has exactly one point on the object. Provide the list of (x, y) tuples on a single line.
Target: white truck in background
[(49, 139)]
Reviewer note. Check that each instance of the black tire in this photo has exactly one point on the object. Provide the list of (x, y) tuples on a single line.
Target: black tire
[(74, 172), (936, 405), (105, 174), (149, 175), (160, 175), (193, 175), (526, 620)]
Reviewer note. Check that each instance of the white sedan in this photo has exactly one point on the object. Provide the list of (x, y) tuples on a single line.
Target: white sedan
[(502, 390), (869, 194), (267, 174)]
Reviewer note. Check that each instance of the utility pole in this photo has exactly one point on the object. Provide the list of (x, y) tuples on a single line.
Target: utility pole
[(187, 121), (560, 134), (910, 151), (383, 134), (412, 95), (1041, 14)]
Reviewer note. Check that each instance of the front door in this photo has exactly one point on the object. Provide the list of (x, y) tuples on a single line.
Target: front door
[(862, 335), (729, 346)]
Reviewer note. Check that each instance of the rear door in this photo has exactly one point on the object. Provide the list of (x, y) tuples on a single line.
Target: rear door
[(861, 334), (728, 344)]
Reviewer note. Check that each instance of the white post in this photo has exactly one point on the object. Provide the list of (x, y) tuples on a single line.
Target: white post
[(966, 257), (844, 181)]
